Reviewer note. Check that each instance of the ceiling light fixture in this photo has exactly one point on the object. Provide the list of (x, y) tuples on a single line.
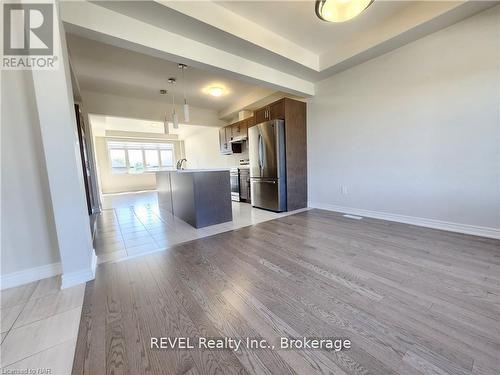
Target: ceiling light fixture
[(175, 118), (340, 10), (215, 91), (186, 106), (166, 129)]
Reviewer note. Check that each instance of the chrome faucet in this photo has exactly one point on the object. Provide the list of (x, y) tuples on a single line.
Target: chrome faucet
[(179, 163)]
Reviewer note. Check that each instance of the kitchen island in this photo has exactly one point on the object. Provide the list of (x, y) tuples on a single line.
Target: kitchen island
[(200, 197)]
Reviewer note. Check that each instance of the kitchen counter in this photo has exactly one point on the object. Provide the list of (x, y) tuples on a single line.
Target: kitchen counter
[(193, 170), (200, 197), (201, 170)]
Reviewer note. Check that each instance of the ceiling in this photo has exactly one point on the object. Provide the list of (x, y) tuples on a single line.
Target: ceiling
[(291, 30), (111, 70), (164, 16), (247, 45), (286, 34), (298, 23)]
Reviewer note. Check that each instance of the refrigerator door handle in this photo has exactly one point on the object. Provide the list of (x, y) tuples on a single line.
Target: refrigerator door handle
[(261, 152), (268, 182)]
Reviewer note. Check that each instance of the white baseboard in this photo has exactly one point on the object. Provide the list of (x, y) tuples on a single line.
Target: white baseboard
[(79, 277), (14, 279), (422, 222)]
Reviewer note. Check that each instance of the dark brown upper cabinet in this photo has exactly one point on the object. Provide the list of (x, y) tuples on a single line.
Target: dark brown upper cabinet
[(277, 110), (273, 111), (260, 115), (250, 122)]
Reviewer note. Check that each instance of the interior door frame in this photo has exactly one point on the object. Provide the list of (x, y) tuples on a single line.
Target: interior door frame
[(92, 201)]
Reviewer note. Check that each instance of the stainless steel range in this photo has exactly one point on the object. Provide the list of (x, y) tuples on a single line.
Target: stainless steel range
[(234, 174), (240, 181)]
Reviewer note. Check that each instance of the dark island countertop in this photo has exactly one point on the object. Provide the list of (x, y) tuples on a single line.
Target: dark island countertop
[(200, 197)]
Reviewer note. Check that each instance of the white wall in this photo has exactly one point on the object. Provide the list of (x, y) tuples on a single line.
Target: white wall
[(202, 151), (28, 231), (415, 132)]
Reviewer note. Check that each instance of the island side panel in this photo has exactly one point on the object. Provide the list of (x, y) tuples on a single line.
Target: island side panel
[(183, 200), (164, 191), (212, 198)]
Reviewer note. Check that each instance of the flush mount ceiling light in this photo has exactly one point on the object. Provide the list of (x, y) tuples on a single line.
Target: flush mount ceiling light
[(340, 10), (215, 90)]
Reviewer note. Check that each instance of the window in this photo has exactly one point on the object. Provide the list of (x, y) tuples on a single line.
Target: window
[(135, 161), (118, 161), (138, 157), (151, 157), (167, 158)]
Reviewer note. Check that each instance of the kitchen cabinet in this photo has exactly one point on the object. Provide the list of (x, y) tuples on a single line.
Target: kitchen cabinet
[(277, 110), (250, 122), (225, 146), (230, 132), (228, 135), (260, 115), (238, 129), (273, 111)]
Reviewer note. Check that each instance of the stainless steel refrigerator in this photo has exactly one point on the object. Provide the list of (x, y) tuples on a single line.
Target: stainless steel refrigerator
[(266, 145)]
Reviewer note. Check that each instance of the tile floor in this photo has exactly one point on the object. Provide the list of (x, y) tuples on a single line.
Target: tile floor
[(133, 224), (39, 324)]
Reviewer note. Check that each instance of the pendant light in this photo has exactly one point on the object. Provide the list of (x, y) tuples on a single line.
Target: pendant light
[(340, 10), (175, 118), (166, 129), (186, 106)]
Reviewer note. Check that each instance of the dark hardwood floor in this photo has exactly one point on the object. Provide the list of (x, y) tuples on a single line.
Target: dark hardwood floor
[(411, 300)]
